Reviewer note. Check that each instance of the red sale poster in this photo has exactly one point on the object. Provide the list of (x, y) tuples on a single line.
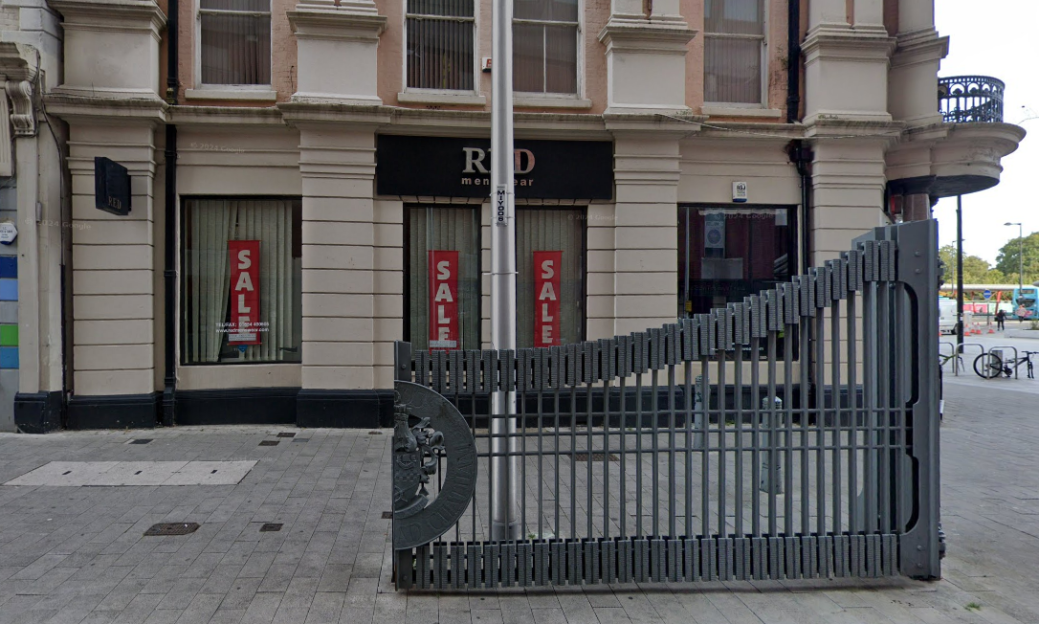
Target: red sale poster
[(245, 292), (443, 300), (547, 265)]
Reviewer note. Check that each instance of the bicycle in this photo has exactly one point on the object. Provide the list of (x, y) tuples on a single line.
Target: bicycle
[(989, 365), (943, 359)]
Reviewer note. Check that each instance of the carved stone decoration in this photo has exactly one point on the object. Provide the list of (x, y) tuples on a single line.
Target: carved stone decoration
[(23, 119), (427, 427)]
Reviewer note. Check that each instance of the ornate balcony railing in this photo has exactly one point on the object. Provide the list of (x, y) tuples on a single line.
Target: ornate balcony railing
[(971, 99)]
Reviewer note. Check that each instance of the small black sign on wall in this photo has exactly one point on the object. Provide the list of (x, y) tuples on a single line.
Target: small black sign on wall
[(111, 186)]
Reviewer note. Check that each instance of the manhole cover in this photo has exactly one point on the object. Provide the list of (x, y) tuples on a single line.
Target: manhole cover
[(301, 440), (269, 527), (269, 443), (595, 457), (387, 515), (374, 433), (172, 528), (286, 434), (140, 441)]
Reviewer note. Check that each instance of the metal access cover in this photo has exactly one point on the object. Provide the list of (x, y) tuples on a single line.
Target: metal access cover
[(172, 528), (387, 515), (269, 527), (595, 457), (269, 443), (286, 434), (140, 441)]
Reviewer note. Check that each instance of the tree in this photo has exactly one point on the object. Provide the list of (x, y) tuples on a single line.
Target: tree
[(975, 270), (1009, 258)]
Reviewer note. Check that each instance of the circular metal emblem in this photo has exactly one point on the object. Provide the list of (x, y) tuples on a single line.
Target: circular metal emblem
[(427, 427)]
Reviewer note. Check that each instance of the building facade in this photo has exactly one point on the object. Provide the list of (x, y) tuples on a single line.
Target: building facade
[(35, 234), (309, 182)]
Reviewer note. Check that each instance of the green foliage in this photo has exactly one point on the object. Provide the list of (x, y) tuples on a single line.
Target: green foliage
[(975, 270), (1009, 258), (973, 606)]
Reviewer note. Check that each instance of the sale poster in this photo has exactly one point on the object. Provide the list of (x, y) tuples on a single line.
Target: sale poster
[(547, 265), (444, 324), (245, 292)]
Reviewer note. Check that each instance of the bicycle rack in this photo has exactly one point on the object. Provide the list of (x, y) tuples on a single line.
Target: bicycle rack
[(1015, 357), (963, 351)]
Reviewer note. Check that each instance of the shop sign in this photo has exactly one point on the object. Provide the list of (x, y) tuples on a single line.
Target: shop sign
[(546, 300), (245, 292), (453, 167), (443, 300)]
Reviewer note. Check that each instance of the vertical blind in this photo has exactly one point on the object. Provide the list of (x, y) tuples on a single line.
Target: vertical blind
[(544, 35), (440, 44), (734, 39), (236, 42), (550, 230), (208, 226), (444, 228)]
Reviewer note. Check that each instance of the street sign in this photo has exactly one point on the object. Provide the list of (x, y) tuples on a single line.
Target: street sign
[(987, 294)]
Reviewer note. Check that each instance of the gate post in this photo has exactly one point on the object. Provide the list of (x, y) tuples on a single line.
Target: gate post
[(403, 560), (919, 548)]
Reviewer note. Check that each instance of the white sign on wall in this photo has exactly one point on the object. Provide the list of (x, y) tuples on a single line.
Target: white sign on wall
[(8, 232)]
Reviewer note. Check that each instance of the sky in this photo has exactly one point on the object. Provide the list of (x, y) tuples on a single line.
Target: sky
[(996, 38)]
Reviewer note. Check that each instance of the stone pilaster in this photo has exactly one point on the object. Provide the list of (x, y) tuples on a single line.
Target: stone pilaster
[(915, 63), (339, 260), (645, 56), (645, 243), (337, 44)]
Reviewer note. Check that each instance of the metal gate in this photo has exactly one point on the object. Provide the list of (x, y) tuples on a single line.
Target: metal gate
[(793, 435)]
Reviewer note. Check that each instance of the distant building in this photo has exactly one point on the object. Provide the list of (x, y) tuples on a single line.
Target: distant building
[(310, 182)]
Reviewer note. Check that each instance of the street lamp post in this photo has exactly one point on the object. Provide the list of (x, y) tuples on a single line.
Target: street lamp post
[(1020, 257)]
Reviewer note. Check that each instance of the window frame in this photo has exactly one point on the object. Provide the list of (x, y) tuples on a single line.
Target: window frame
[(199, 85), (762, 52), (420, 91), (183, 202), (578, 60)]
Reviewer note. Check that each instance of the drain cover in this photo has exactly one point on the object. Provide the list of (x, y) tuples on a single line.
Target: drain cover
[(595, 457), (301, 440), (172, 528), (374, 433), (269, 527), (140, 441), (286, 434), (387, 515), (269, 443)]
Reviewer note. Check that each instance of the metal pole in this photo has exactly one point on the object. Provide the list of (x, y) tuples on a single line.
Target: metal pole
[(1021, 257), (959, 275), (505, 520)]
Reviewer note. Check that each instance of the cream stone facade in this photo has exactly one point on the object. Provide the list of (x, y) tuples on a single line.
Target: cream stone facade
[(339, 137)]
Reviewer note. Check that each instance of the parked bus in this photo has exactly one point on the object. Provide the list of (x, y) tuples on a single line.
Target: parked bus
[(1025, 300)]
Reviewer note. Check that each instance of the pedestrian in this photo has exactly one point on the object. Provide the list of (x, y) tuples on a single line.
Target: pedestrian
[(1001, 316)]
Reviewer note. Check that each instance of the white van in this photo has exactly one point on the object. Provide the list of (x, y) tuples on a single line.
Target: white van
[(946, 316)]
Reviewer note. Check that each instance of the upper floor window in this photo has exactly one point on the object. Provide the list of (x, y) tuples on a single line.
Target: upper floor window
[(544, 44), (734, 43), (440, 44), (235, 42)]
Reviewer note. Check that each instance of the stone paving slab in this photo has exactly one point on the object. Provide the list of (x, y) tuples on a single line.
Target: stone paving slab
[(77, 555)]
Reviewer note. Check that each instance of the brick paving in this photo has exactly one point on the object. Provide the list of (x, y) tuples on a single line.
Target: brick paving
[(77, 555)]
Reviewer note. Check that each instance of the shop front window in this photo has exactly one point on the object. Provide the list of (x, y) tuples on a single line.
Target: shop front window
[(241, 297), (443, 278), (726, 254), (550, 284)]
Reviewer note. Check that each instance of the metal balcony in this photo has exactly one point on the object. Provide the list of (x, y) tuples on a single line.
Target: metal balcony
[(971, 99)]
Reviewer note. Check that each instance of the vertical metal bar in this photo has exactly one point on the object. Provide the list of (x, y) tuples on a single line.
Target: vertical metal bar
[(589, 501), (838, 428), (853, 447), (788, 421), (869, 389), (525, 363), (773, 451), (557, 386), (655, 471), (900, 397), (705, 455), (623, 494), (755, 425), (886, 354), (804, 398), (639, 369), (738, 398), (820, 401), (540, 363), (690, 402), (721, 441), (671, 481)]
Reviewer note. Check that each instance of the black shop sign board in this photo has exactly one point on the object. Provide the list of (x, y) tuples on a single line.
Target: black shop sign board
[(453, 167)]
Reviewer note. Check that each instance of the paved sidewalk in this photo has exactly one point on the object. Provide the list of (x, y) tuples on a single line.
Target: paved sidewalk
[(77, 555)]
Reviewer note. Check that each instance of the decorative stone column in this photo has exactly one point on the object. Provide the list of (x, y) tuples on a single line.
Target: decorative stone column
[(645, 236), (110, 100), (337, 44), (915, 64), (645, 56)]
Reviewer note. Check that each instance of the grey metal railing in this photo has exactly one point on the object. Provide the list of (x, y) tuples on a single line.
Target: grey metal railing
[(706, 449), (971, 99)]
